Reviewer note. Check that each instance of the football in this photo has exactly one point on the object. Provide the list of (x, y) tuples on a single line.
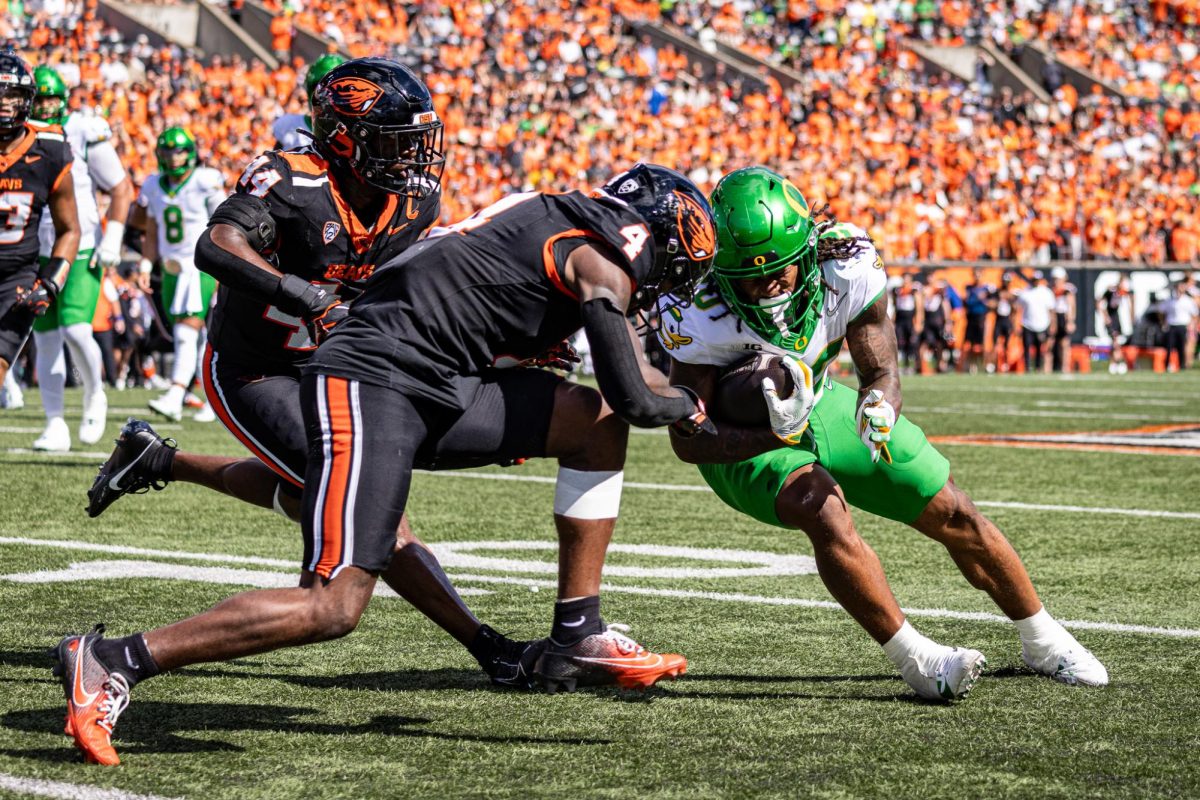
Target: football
[(738, 398)]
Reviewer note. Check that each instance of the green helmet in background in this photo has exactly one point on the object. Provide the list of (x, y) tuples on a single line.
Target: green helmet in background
[(319, 69), (50, 103), (764, 225), (176, 152)]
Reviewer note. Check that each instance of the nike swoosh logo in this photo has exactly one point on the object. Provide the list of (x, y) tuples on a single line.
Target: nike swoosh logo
[(114, 482), (32, 159), (575, 624), (625, 662), (394, 231), (79, 696)]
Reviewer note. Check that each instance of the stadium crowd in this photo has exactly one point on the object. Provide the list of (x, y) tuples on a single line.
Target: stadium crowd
[(549, 94)]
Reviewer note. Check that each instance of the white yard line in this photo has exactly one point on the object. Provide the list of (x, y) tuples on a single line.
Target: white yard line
[(689, 487), (36, 787), (25, 451), (728, 597)]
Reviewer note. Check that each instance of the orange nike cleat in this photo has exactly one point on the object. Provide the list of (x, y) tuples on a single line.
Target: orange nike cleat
[(95, 696), (605, 659)]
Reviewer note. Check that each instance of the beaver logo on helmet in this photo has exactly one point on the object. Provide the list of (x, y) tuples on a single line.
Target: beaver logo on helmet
[(354, 97), (696, 230)]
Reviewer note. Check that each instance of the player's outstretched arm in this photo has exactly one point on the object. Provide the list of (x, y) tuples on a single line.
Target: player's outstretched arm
[(732, 443), (636, 391)]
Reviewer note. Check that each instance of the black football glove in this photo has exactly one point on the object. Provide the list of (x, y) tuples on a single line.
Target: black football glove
[(37, 298), (320, 326), (697, 422)]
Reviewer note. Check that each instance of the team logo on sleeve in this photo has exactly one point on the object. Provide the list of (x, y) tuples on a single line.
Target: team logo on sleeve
[(695, 228), (330, 232), (355, 96)]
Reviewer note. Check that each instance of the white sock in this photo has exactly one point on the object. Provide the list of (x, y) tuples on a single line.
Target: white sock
[(1041, 627), (184, 368), (10, 384), (88, 360), (906, 642), (51, 370)]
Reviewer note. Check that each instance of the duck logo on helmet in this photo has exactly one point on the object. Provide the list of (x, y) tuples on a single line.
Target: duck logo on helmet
[(353, 96), (696, 230)]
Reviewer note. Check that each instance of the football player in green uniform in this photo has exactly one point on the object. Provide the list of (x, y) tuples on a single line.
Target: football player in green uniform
[(785, 284)]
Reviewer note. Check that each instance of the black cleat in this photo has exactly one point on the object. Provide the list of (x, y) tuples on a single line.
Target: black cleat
[(509, 664), (138, 464)]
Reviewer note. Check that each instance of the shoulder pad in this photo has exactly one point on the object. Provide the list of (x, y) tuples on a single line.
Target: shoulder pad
[(249, 214)]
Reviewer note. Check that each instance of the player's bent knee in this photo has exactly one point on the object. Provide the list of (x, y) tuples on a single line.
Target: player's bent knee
[(585, 434), (811, 502)]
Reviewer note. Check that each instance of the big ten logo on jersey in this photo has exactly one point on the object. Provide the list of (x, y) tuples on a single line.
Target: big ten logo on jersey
[(297, 338)]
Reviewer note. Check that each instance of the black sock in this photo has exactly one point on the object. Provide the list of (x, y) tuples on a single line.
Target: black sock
[(162, 463), (128, 656), (575, 620), (485, 646)]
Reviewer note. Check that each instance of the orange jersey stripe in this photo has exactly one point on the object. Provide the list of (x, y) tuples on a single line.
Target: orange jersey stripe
[(341, 424)]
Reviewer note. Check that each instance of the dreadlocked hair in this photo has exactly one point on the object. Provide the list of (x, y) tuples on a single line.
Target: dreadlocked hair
[(835, 248)]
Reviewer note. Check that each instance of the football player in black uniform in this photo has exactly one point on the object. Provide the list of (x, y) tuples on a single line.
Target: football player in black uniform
[(302, 232), (413, 376), (35, 172)]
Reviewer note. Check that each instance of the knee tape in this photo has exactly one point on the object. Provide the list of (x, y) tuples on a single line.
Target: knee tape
[(588, 495)]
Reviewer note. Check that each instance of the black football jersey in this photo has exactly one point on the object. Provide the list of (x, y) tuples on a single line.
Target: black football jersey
[(480, 294), (28, 176), (319, 238)]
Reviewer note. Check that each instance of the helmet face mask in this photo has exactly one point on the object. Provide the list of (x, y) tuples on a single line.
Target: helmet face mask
[(50, 104), (176, 153), (375, 119), (16, 95), (764, 227), (680, 223)]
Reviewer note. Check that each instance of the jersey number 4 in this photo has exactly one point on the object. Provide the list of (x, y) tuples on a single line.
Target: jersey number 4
[(298, 339)]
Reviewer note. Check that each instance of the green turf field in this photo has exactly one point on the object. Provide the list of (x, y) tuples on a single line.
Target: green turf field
[(784, 696)]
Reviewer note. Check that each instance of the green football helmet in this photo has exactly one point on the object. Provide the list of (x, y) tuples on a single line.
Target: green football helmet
[(176, 152), (764, 225), (319, 69), (50, 104)]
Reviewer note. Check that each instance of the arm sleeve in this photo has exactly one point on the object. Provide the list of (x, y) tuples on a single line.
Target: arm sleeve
[(619, 373)]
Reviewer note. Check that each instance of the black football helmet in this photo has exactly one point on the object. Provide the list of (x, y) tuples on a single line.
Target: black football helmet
[(375, 118), (681, 224), (16, 83)]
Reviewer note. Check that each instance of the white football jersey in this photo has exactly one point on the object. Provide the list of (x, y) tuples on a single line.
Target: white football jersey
[(289, 131), (96, 165), (708, 332), (181, 212)]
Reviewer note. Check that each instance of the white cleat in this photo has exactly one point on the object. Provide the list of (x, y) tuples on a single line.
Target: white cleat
[(205, 414), (11, 396), (56, 438), (164, 405), (95, 417), (1066, 661), (944, 673)]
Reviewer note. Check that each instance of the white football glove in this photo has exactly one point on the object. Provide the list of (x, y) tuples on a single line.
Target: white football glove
[(875, 419), (109, 252), (789, 417)]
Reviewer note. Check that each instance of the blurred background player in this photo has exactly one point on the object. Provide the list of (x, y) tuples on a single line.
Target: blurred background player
[(1179, 314), (935, 304), (35, 166), (69, 320), (1037, 316), (1116, 306), (978, 303), (1064, 319), (1005, 301), (175, 204), (295, 130), (908, 308)]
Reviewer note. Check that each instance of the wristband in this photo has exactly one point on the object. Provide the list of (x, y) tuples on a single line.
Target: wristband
[(145, 266), (50, 270)]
